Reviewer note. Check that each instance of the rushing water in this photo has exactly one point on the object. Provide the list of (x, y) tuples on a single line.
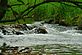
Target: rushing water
[(56, 35)]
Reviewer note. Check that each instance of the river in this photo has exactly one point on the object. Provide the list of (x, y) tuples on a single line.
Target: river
[(56, 35)]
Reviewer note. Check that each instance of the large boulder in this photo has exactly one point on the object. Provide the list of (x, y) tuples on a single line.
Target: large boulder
[(41, 30)]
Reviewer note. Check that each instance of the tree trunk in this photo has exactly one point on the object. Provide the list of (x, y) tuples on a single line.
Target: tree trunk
[(3, 8)]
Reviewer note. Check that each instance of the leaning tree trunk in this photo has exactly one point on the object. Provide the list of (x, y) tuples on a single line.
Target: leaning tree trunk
[(3, 8)]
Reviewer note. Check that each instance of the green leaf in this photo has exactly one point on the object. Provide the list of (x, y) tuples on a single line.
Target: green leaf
[(14, 12), (21, 1)]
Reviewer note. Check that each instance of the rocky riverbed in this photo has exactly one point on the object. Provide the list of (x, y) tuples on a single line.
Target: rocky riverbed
[(43, 38), (20, 29), (54, 49)]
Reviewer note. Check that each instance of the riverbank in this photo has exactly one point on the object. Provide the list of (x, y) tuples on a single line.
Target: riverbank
[(54, 49)]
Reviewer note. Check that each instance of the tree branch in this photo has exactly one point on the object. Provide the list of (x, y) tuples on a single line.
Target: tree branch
[(36, 5)]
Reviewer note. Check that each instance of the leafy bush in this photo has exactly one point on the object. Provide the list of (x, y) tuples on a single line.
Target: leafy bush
[(55, 10)]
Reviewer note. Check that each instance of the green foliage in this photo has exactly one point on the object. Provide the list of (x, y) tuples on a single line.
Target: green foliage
[(39, 13), (55, 10), (20, 1)]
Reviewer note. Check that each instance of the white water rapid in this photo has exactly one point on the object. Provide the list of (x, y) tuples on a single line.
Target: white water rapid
[(56, 35)]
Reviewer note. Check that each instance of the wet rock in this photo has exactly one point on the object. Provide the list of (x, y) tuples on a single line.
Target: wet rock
[(4, 31), (79, 27), (13, 48), (41, 30), (1, 54), (23, 27), (26, 50), (20, 29), (63, 23), (27, 27), (18, 33), (2, 27), (18, 26), (38, 24), (60, 22), (50, 21)]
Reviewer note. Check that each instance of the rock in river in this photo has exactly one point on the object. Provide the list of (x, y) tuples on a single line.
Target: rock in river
[(41, 30)]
